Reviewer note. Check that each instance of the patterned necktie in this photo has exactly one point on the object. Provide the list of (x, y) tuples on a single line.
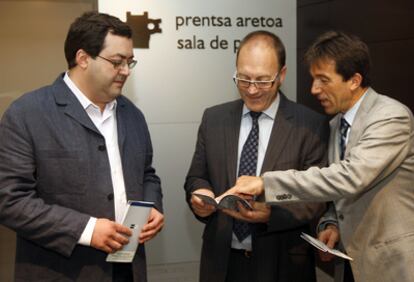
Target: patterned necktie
[(247, 166), (343, 130)]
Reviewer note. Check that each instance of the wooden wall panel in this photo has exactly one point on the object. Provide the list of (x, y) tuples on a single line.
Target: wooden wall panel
[(386, 26)]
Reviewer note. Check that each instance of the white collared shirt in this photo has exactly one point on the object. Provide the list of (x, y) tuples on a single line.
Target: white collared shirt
[(106, 123), (349, 116), (266, 121)]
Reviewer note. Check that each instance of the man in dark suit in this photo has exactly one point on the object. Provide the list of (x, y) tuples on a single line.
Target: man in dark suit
[(288, 136), (71, 155)]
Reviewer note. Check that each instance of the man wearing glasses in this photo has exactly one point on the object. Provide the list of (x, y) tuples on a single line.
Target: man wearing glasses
[(371, 173), (71, 155), (262, 131)]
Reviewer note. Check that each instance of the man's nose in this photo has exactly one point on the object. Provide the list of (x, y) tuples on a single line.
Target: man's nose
[(315, 89), (252, 88), (124, 70)]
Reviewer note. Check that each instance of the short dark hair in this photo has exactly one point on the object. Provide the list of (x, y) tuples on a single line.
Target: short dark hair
[(350, 54), (88, 33), (274, 42)]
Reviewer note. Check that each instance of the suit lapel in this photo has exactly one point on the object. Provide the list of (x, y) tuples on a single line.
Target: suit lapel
[(333, 150), (231, 138), (121, 122), (280, 132), (360, 117), (70, 104), (356, 128)]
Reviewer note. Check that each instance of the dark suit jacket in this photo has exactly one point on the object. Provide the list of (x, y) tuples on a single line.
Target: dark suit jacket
[(298, 140), (55, 174)]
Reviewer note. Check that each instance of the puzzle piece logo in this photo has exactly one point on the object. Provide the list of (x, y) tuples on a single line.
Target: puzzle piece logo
[(142, 29)]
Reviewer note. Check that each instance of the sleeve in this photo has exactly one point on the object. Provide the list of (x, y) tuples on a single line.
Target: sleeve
[(329, 217), (382, 147), (51, 226), (293, 215), (197, 176), (152, 183), (86, 237)]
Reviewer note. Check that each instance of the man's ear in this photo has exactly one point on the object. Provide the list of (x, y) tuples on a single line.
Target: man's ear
[(82, 58), (282, 75), (355, 81)]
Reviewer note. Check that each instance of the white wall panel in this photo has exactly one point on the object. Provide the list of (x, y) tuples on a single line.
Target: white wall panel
[(173, 86)]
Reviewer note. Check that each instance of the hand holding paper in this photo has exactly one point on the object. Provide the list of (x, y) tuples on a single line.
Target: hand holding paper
[(109, 236), (329, 236), (154, 225), (323, 247), (135, 217), (259, 212), (200, 207)]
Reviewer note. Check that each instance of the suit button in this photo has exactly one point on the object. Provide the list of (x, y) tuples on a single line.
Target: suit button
[(110, 197), (101, 147), (289, 196), (341, 217)]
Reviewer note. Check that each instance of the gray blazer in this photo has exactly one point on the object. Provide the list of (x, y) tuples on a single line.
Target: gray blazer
[(298, 140), (55, 174), (372, 189)]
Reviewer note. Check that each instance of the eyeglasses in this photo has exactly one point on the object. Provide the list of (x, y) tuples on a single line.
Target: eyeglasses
[(118, 64), (259, 84)]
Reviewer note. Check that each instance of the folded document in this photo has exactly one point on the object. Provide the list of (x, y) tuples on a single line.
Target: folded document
[(227, 202), (135, 217), (323, 247)]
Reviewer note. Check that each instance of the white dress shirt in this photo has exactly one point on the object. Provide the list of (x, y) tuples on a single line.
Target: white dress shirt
[(266, 121), (349, 116), (106, 123)]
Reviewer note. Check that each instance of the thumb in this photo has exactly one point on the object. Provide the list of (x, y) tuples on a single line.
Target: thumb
[(331, 241)]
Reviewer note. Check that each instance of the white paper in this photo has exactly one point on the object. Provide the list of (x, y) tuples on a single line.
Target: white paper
[(135, 217), (323, 247)]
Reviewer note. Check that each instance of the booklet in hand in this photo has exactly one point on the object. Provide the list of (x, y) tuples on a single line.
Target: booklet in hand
[(135, 217), (323, 247), (227, 202)]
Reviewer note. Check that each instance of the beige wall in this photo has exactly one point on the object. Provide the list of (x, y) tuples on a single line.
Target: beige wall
[(32, 34)]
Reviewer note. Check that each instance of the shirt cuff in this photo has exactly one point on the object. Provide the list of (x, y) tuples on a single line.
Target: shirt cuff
[(86, 236), (322, 226)]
